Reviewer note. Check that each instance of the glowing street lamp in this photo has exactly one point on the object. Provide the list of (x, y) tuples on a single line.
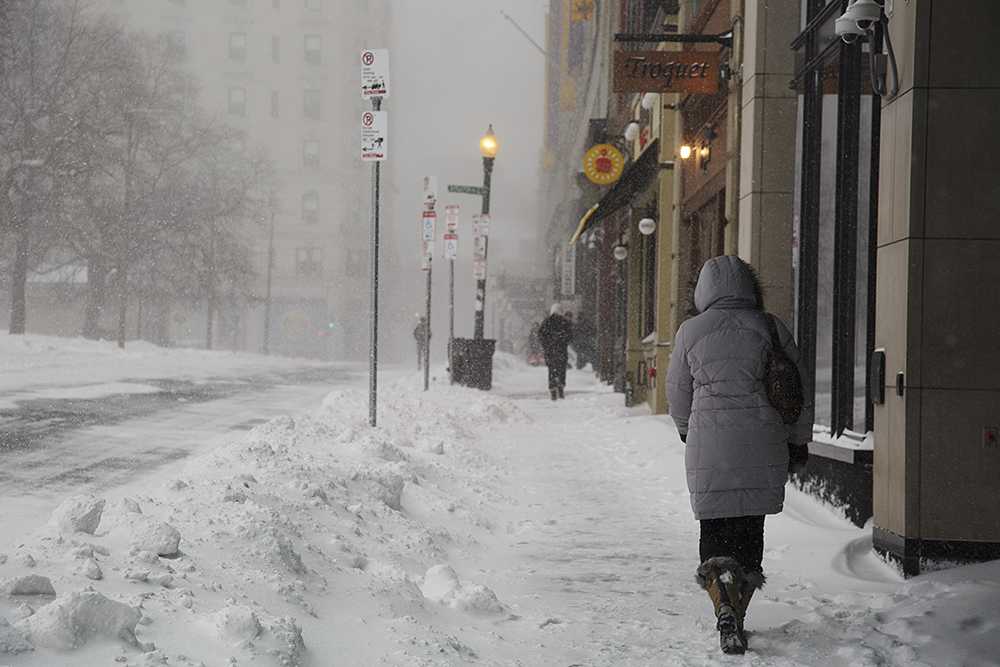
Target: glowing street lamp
[(488, 144)]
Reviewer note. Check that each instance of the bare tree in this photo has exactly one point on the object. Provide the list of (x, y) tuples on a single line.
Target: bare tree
[(49, 56)]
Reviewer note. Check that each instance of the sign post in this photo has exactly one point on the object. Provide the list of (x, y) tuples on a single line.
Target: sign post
[(451, 252), (374, 139), (428, 224)]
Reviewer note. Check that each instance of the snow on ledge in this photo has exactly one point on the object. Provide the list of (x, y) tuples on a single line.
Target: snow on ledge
[(864, 442)]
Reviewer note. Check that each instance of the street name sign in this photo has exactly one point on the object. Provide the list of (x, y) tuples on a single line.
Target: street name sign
[(374, 73), (374, 136), (666, 72), (468, 189)]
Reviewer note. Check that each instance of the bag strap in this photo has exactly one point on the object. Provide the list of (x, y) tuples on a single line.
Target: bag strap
[(773, 329)]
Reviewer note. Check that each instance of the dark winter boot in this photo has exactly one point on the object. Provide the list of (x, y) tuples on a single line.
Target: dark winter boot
[(723, 579), (554, 393), (562, 393)]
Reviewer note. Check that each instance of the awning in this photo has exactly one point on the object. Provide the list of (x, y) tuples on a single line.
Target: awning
[(636, 178)]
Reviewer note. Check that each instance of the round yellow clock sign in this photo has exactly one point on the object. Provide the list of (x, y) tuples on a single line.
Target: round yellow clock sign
[(603, 164)]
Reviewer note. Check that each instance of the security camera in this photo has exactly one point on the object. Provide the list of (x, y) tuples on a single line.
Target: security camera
[(847, 29), (863, 14), (866, 12)]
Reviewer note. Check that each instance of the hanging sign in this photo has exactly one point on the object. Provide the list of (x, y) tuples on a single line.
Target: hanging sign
[(451, 218), (481, 225), (478, 239), (569, 270), (426, 249), (479, 273), (374, 136), (374, 73), (603, 164), (451, 246), (428, 221), (666, 72)]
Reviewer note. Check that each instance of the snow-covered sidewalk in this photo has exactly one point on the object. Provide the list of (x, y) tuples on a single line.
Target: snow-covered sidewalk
[(494, 529)]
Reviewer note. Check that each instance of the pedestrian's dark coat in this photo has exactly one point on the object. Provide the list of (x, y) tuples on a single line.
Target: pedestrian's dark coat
[(420, 331), (555, 334), (737, 445)]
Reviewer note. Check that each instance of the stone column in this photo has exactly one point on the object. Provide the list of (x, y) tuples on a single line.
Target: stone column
[(938, 287), (767, 148)]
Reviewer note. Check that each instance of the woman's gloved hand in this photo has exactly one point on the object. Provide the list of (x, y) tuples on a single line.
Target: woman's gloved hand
[(798, 456)]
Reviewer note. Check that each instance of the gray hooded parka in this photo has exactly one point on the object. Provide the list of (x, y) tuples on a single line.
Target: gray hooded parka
[(737, 446)]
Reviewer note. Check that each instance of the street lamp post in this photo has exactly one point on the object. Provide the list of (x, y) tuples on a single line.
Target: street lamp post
[(488, 147)]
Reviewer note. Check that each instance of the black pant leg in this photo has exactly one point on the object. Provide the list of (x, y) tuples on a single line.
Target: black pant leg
[(562, 373), (740, 538), (714, 539), (753, 543), (553, 376)]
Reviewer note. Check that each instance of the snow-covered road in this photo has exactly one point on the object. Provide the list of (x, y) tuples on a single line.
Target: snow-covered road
[(102, 457)]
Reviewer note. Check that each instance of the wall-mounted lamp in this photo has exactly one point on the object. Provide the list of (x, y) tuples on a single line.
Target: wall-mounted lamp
[(620, 252), (684, 151), (649, 100), (647, 226), (632, 131), (705, 152)]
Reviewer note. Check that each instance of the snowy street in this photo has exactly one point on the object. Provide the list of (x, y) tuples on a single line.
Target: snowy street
[(487, 528)]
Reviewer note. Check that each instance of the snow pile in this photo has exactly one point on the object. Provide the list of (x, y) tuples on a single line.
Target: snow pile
[(73, 619), (442, 585), (282, 544), (78, 514)]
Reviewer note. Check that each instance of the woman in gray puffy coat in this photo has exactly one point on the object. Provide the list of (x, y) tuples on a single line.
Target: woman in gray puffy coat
[(736, 452)]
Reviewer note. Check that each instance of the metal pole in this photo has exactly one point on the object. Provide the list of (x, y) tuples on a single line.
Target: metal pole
[(481, 284), (451, 313), (373, 315), (267, 299), (427, 328)]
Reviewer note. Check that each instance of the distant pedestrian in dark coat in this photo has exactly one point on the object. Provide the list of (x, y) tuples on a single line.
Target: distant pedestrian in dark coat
[(555, 334), (737, 445), (584, 336), (422, 335)]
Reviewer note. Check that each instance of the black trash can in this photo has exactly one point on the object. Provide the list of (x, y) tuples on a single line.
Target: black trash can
[(472, 362)]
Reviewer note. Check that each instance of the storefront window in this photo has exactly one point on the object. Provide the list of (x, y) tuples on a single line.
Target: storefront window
[(833, 250), (826, 237)]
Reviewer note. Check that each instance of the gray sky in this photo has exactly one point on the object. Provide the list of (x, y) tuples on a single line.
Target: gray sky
[(456, 66)]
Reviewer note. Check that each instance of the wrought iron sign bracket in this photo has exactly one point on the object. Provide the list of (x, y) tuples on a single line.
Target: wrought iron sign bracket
[(724, 39)]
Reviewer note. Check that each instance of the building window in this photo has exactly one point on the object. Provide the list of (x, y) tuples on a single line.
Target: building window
[(309, 262), (312, 104), (310, 154), (180, 3), (237, 101), (314, 5), (275, 49), (238, 3), (275, 109), (313, 49), (835, 226), (310, 207), (238, 46)]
